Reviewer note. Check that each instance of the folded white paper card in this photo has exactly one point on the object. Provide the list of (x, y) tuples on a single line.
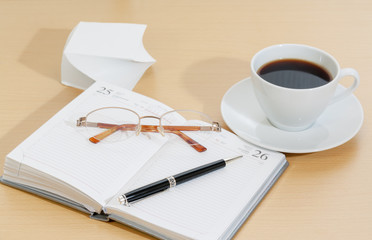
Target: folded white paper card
[(110, 52)]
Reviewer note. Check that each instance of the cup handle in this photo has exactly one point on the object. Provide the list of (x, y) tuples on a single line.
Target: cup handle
[(347, 72)]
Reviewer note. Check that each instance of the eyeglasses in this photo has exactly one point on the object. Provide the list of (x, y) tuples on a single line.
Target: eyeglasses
[(117, 123)]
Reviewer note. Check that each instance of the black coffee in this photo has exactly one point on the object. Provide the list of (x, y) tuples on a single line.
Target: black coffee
[(294, 73)]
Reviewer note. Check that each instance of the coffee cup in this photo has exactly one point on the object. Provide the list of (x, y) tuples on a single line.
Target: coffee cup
[(295, 83)]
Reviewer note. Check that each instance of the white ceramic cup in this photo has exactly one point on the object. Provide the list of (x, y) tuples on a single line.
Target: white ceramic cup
[(297, 109)]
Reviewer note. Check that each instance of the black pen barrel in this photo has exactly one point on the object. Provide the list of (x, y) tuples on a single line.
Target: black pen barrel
[(199, 171), (147, 190), (171, 181)]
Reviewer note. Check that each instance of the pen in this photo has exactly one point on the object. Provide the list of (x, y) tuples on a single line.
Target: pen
[(169, 182)]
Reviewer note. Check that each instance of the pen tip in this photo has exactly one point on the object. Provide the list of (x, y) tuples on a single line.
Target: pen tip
[(232, 159)]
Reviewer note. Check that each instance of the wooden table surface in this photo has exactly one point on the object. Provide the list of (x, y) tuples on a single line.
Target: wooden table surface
[(202, 48)]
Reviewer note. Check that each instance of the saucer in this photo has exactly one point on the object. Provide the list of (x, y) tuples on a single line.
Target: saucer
[(337, 125)]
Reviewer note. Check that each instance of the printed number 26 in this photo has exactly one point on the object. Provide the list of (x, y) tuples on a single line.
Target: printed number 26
[(260, 155)]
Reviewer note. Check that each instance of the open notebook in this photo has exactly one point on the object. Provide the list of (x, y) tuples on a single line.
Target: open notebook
[(59, 163)]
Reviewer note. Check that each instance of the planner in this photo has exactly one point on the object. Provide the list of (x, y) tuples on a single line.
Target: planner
[(59, 162)]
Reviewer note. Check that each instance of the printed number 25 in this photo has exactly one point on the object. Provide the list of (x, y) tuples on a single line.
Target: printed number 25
[(105, 91)]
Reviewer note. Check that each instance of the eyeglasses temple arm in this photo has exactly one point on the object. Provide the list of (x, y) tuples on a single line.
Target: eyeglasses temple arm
[(97, 138), (177, 130), (110, 130), (194, 144)]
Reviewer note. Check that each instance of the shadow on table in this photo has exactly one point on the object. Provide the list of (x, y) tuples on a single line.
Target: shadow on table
[(215, 75), (48, 44)]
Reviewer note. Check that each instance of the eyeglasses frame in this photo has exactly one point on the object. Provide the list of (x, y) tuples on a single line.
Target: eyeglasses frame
[(138, 128)]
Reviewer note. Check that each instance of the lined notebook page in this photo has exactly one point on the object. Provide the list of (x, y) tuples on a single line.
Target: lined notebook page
[(203, 206), (98, 170)]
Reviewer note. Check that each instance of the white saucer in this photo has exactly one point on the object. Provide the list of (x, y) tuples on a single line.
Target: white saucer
[(337, 125)]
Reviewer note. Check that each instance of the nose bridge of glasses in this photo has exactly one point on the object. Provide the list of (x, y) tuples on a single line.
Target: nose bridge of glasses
[(147, 128), (158, 118)]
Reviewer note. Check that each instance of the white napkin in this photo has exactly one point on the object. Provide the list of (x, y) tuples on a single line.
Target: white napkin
[(111, 52)]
